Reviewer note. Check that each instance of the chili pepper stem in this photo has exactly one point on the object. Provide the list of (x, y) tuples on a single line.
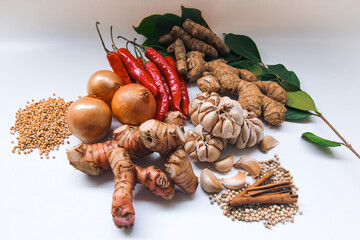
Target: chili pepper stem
[(102, 41), (132, 42), (112, 39)]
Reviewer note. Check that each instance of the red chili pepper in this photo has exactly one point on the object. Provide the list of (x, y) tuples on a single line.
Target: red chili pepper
[(136, 71), (140, 60), (168, 92), (184, 93), (169, 73), (162, 99), (114, 61)]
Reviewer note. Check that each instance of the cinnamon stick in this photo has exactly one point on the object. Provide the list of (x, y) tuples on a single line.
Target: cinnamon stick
[(255, 184), (252, 192), (284, 198), (269, 185)]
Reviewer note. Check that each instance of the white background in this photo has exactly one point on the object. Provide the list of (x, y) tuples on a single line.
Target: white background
[(53, 47)]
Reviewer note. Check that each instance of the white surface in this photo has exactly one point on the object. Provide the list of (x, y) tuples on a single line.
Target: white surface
[(53, 47)]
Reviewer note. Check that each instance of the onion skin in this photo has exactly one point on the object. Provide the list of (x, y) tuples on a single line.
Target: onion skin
[(89, 119), (104, 84), (133, 104)]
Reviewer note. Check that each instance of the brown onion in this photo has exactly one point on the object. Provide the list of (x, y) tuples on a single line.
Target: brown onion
[(133, 104), (104, 84), (89, 119)]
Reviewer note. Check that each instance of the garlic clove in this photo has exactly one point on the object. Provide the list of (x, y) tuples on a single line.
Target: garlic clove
[(267, 143), (250, 165), (209, 182), (236, 182), (224, 165)]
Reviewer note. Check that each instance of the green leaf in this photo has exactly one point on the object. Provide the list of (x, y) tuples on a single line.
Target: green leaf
[(287, 86), (284, 74), (320, 141), (154, 26), (300, 100), (166, 22), (260, 72), (148, 26), (243, 46), (296, 114), (232, 57), (194, 14)]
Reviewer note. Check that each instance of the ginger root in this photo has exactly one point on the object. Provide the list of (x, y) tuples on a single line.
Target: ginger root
[(122, 209), (161, 137), (180, 56), (156, 181), (179, 167), (261, 97), (206, 35), (193, 43)]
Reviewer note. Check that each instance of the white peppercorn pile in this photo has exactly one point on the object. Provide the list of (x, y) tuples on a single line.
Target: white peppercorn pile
[(41, 125), (270, 214)]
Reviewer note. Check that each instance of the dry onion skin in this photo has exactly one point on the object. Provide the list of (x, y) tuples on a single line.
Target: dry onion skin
[(104, 84), (133, 104), (89, 119)]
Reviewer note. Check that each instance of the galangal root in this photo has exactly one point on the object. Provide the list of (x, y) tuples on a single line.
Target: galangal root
[(156, 181), (153, 135), (179, 167), (161, 137), (122, 209)]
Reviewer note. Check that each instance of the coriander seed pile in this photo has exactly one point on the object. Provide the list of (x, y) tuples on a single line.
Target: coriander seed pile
[(270, 214), (41, 125)]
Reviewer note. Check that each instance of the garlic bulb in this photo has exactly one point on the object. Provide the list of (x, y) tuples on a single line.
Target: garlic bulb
[(202, 146), (220, 116), (252, 131)]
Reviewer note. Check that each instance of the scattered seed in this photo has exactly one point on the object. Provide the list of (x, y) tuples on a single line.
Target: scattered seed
[(41, 125)]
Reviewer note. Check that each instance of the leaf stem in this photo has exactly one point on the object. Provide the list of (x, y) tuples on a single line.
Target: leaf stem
[(337, 133), (266, 67)]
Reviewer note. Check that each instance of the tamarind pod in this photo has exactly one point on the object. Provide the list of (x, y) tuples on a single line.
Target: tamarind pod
[(122, 209), (205, 34), (91, 158), (169, 73), (166, 39), (171, 48), (180, 56), (136, 71), (184, 92), (162, 99), (156, 181), (193, 43)]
